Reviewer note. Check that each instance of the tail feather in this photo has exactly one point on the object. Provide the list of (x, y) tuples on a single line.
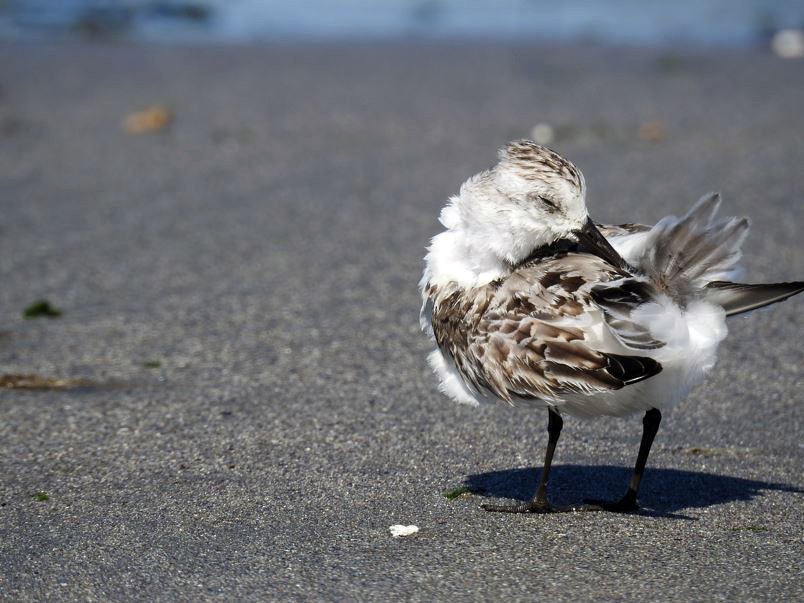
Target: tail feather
[(737, 298), (698, 252), (695, 249)]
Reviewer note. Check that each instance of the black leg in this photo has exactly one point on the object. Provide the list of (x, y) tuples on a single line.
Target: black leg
[(539, 502), (628, 503)]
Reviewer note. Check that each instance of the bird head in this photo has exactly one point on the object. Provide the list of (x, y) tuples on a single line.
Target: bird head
[(533, 197)]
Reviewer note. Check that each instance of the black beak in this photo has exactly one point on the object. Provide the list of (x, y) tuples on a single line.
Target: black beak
[(592, 241)]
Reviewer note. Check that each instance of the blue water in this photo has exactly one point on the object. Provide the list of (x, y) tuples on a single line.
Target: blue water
[(631, 22)]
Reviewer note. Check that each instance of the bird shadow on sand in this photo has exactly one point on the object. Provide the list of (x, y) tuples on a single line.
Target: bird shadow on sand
[(664, 492)]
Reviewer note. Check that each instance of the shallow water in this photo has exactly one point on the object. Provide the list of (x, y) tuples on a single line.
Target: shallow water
[(628, 22)]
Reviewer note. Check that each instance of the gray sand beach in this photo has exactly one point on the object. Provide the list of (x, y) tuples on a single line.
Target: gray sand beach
[(251, 408)]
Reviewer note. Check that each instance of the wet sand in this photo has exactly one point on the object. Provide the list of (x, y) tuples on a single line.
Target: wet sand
[(239, 290)]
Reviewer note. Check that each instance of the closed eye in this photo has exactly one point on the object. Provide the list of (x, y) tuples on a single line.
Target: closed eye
[(551, 205)]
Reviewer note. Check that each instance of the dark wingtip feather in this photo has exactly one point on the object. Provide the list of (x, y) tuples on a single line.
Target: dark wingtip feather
[(736, 298), (632, 369)]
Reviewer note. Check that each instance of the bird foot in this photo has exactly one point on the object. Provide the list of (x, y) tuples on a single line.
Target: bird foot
[(627, 504)]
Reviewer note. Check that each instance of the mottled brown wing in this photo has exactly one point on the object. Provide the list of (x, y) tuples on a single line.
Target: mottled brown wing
[(525, 337)]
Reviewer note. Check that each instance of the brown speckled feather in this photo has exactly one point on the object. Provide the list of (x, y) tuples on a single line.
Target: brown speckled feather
[(522, 336)]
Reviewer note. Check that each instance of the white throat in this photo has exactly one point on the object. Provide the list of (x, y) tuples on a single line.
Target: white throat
[(455, 257)]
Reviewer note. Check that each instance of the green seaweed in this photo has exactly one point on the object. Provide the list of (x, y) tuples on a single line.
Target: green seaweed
[(456, 492), (41, 307), (151, 364), (41, 496)]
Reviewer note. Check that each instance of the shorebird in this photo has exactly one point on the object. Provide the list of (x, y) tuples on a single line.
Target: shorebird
[(532, 303)]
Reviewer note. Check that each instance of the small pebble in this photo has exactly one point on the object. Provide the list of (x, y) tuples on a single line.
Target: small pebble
[(398, 531), (788, 44), (152, 119)]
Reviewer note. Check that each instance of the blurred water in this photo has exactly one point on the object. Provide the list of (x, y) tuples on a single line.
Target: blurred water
[(645, 22)]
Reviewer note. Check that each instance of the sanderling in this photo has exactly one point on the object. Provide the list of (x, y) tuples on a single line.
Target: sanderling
[(532, 303)]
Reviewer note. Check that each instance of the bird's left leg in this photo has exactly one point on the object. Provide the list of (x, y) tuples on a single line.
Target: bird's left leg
[(539, 502), (628, 503)]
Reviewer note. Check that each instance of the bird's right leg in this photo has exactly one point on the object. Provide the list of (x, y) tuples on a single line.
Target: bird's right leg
[(539, 502), (628, 503)]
